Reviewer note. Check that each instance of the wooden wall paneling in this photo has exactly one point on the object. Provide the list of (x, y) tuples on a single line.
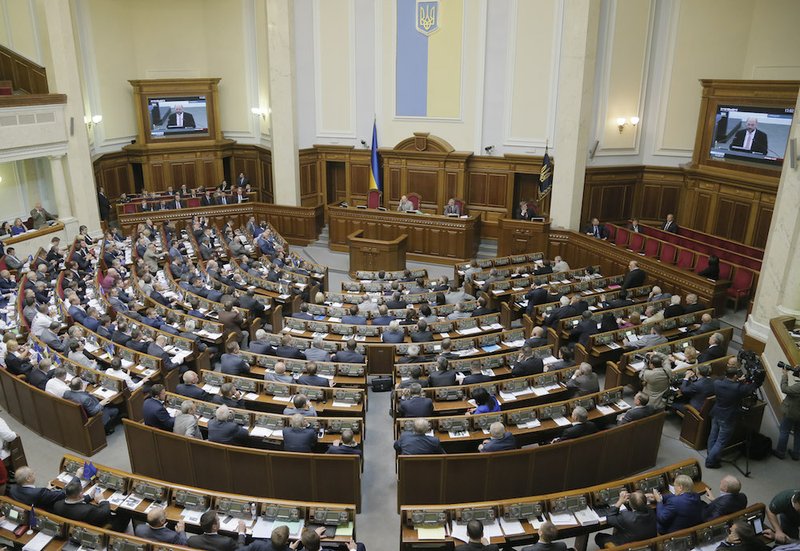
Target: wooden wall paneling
[(659, 194), (763, 220), (359, 179), (496, 190), (451, 187), (476, 190), (609, 193), (426, 183)]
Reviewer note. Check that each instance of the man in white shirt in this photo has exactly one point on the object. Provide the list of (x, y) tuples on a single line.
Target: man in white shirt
[(116, 370), (57, 384), (41, 320), (6, 437), (560, 265)]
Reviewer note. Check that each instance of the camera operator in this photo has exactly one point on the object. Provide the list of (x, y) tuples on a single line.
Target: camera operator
[(791, 414), (729, 393)]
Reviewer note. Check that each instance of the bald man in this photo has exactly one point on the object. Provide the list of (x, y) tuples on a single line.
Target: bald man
[(730, 500), (750, 139), (156, 528)]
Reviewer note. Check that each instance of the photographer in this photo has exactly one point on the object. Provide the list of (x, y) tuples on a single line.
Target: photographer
[(729, 392), (791, 414)]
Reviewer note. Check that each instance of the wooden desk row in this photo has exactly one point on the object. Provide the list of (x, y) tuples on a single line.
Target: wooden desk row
[(500, 288), (339, 309), (590, 293), (265, 429), (136, 493), (463, 433), (565, 325), (499, 261), (364, 275), (570, 464), (332, 478), (271, 396), (516, 521), (584, 249), (626, 371), (431, 238)]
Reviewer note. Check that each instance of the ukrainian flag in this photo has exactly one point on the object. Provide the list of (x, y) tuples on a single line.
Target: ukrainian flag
[(374, 170), (428, 58)]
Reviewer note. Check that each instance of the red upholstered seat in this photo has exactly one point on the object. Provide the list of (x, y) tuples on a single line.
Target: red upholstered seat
[(129, 208), (651, 247), (740, 285), (622, 237), (685, 259), (460, 204), (415, 200), (702, 263), (668, 253), (636, 242), (373, 199), (611, 229), (725, 270), (193, 202)]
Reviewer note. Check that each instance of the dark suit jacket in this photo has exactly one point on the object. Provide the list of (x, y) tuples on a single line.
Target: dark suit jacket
[(507, 442), (601, 232), (759, 144), (418, 406), (634, 278), (678, 512), (348, 356), (38, 497), (188, 120), (16, 365), (576, 431), (541, 546), (261, 347), (233, 364), (421, 336), (313, 380), (411, 443), (673, 311), (635, 413), (632, 525), (528, 366), (156, 415), (96, 515), (697, 391), (227, 432), (724, 505), (299, 440), (711, 353), (728, 395), (582, 331), (289, 352), (672, 228), (164, 535), (194, 392), (38, 378), (471, 546), (215, 542), (442, 378)]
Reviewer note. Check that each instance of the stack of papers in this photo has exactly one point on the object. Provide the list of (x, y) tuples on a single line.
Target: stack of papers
[(530, 424), (622, 404), (561, 422), (211, 389), (587, 517), (459, 434), (563, 519), (436, 533), (605, 410)]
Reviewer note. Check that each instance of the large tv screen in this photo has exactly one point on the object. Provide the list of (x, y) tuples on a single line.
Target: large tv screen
[(751, 134), (178, 116)]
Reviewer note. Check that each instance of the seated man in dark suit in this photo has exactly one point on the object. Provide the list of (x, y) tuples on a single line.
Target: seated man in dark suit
[(527, 363), (190, 389), (640, 409), (156, 528), (229, 396), (695, 388), (500, 440), (635, 276), (394, 333), (349, 354), (691, 304), (442, 376), (635, 523), (585, 329), (39, 375), (210, 540), (25, 490), (475, 376), (418, 442), (346, 445), (730, 500), (547, 533), (476, 540), (222, 429), (416, 373), (679, 510), (670, 225), (422, 334), (716, 348), (416, 405), (596, 229), (674, 309), (707, 324), (581, 426), (233, 363), (91, 405), (75, 507), (287, 350), (310, 377), (153, 410), (353, 318), (299, 436), (584, 381)]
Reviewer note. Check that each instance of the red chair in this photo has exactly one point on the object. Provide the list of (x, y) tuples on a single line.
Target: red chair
[(611, 230), (668, 253), (193, 202), (702, 263), (622, 237), (651, 247), (373, 199), (685, 259), (740, 286), (415, 200), (6, 88), (725, 270), (460, 204), (3, 265), (636, 242), (129, 208)]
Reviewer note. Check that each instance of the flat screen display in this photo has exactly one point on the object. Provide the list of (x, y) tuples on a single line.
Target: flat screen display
[(178, 116), (751, 134)]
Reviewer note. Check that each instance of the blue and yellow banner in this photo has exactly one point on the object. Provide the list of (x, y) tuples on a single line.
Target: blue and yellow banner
[(428, 59), (374, 168)]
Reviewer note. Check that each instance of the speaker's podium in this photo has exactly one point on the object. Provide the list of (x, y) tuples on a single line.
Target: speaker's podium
[(375, 254)]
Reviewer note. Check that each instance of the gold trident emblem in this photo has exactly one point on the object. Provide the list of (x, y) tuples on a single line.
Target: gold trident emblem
[(427, 16)]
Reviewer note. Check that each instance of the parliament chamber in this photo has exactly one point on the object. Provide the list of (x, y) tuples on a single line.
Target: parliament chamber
[(441, 274)]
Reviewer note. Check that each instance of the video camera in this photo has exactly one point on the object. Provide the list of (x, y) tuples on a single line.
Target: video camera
[(753, 369), (795, 369)]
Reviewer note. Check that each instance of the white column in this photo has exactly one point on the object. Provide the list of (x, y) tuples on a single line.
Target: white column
[(573, 117), (60, 190), (778, 290), (63, 77), (283, 102)]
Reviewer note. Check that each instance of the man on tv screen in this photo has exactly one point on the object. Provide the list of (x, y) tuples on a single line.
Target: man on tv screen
[(179, 119), (750, 139)]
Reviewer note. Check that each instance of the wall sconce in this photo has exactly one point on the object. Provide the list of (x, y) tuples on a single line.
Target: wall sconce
[(257, 111), (622, 122), (93, 120)]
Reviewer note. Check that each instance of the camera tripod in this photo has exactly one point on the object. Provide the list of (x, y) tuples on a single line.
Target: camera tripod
[(750, 425)]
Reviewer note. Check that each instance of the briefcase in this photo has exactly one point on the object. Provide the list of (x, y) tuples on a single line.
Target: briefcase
[(381, 384)]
